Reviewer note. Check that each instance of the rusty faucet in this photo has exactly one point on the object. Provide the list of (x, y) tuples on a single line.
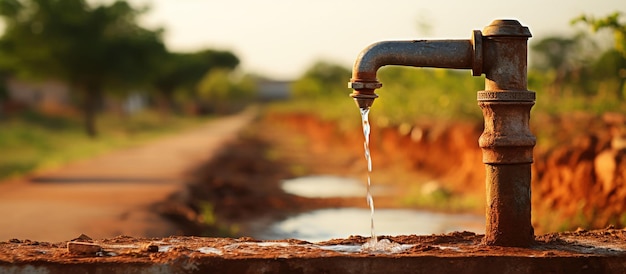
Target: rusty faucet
[(499, 52)]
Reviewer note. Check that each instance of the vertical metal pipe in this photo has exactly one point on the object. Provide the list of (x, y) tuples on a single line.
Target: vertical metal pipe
[(507, 142)]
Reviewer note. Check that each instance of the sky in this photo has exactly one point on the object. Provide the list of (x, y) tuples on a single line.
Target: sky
[(280, 39)]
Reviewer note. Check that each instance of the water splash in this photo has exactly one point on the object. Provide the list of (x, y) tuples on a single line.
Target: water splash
[(366, 144), (384, 246)]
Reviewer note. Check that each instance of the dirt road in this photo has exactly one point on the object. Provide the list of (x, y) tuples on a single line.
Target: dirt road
[(111, 195)]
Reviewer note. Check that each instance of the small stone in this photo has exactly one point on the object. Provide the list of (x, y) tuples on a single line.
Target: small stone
[(83, 248), (82, 238)]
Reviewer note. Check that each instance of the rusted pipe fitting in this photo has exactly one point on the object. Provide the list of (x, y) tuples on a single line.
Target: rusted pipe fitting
[(416, 53), (363, 94), (455, 54), (507, 142)]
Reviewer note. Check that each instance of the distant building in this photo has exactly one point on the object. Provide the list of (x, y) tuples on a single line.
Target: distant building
[(47, 95), (54, 97), (269, 90)]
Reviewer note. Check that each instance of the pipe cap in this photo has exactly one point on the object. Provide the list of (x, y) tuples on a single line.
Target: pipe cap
[(506, 27)]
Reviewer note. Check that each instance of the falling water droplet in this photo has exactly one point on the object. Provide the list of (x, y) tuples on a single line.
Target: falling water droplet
[(366, 145)]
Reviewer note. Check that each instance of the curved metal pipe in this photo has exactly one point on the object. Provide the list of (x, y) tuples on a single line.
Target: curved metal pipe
[(457, 54)]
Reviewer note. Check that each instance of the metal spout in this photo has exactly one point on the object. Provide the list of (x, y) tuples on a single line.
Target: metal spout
[(456, 54), (363, 101), (364, 93)]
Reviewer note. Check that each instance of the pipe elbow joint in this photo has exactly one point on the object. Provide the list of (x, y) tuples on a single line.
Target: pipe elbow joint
[(455, 54)]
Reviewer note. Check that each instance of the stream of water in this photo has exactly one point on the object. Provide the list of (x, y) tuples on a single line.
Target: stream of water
[(373, 244), (366, 146)]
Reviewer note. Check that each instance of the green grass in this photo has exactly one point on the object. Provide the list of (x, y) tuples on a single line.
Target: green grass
[(32, 141), (215, 227), (440, 200)]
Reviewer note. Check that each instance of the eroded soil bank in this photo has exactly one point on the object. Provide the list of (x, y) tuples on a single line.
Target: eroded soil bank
[(579, 174)]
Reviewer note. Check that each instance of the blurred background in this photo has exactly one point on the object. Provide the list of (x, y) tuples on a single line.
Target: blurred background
[(79, 78)]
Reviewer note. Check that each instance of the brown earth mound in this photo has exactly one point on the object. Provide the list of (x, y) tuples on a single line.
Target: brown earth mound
[(579, 174)]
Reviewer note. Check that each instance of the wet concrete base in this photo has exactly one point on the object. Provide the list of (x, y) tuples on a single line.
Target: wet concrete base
[(598, 251)]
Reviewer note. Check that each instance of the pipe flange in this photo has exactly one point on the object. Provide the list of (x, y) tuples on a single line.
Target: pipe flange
[(506, 96), (364, 85)]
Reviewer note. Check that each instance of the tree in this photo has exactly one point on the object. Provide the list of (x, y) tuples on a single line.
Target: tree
[(92, 49), (559, 59), (222, 89), (611, 22), (322, 79), (555, 53), (183, 71)]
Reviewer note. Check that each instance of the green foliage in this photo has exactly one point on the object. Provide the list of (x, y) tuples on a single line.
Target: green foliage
[(215, 227), (92, 48), (70, 40), (410, 94), (221, 89), (183, 70), (439, 199), (216, 86), (558, 53), (612, 22), (569, 74), (611, 66), (322, 80), (407, 95)]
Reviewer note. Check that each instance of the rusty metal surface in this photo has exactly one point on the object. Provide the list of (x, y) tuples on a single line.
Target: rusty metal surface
[(499, 52), (507, 142), (506, 27), (364, 97), (508, 206), (477, 47), (506, 138), (456, 54)]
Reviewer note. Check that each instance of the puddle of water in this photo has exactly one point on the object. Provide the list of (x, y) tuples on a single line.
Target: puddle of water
[(209, 250), (165, 248), (342, 248), (384, 246), (323, 187), (326, 224)]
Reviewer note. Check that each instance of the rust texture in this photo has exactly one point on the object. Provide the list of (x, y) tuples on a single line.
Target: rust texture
[(507, 142), (499, 52), (456, 54)]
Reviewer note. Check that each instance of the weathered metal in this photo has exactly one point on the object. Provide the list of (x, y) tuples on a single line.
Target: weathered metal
[(507, 142), (499, 52), (454, 54)]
